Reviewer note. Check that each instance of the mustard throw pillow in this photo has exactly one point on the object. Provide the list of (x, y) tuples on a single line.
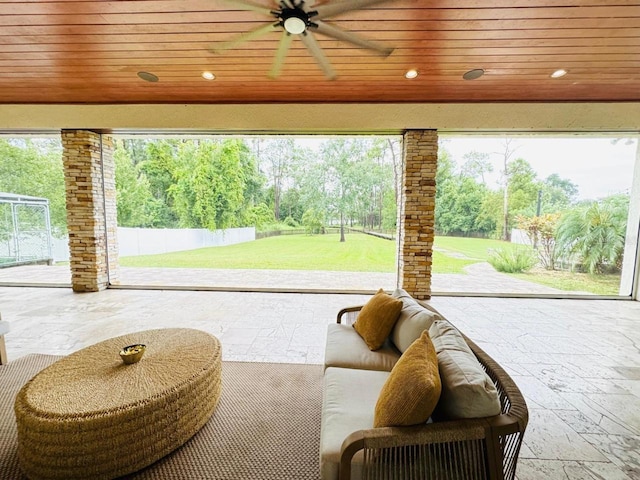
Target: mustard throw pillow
[(413, 387), (376, 319)]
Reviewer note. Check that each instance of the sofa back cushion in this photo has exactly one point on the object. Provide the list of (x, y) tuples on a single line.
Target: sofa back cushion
[(412, 389), (376, 319), (467, 390), (414, 318)]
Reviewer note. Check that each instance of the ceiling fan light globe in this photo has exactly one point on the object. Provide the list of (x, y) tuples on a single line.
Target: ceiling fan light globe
[(294, 25)]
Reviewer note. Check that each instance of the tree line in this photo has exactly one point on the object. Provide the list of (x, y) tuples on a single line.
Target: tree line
[(229, 182), (587, 235), (268, 182)]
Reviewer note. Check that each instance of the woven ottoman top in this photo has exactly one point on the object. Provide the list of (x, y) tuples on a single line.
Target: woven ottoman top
[(94, 380), (76, 418)]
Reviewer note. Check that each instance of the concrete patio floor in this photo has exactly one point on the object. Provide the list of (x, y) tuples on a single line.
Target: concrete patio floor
[(576, 361)]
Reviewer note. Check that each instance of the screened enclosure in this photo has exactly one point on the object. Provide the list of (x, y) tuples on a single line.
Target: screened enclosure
[(25, 230)]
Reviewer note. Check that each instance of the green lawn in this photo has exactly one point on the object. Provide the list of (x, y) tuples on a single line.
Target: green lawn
[(474, 248), (574, 282), (360, 253)]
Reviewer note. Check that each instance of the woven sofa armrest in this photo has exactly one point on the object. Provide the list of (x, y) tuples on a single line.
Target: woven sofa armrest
[(374, 441), (348, 315)]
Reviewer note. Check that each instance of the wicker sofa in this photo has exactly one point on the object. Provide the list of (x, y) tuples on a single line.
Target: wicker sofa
[(465, 449)]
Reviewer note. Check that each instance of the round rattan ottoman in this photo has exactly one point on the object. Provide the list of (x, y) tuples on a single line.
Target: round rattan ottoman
[(90, 416)]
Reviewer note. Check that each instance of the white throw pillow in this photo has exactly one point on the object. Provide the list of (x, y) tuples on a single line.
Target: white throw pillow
[(467, 390), (413, 320)]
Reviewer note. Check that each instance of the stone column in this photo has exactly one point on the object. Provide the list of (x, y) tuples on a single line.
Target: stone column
[(91, 208), (417, 212)]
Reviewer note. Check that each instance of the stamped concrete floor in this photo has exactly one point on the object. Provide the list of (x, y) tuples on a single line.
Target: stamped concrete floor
[(478, 278), (576, 361)]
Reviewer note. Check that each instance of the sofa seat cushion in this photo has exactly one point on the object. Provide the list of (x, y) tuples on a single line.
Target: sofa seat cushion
[(348, 404), (414, 319), (346, 349), (467, 390)]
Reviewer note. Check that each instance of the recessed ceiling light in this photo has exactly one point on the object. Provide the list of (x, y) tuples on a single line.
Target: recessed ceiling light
[(413, 73), (208, 75), (473, 74), (559, 73), (148, 77)]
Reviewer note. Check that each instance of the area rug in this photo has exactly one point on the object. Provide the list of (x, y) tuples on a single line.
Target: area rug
[(266, 425)]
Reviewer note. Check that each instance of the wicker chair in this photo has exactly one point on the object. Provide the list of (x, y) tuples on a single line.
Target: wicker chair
[(484, 448)]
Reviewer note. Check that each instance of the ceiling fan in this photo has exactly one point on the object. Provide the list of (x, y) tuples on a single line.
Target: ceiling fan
[(296, 18)]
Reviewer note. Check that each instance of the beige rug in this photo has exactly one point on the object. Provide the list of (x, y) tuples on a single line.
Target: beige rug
[(266, 426)]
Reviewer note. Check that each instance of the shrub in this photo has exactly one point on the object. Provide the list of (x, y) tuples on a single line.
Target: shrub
[(512, 260), (595, 233), (313, 221), (291, 222)]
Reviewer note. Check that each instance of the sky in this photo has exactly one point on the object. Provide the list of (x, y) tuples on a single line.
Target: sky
[(597, 166)]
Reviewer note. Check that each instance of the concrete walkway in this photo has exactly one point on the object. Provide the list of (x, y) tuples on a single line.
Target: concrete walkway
[(480, 278)]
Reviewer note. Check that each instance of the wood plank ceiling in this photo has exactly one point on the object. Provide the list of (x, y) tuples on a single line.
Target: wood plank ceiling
[(70, 51)]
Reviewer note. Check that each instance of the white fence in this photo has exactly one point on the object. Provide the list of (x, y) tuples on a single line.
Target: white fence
[(149, 241), (520, 236)]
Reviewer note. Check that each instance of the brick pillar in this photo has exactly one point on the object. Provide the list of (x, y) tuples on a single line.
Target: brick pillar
[(417, 212), (90, 200)]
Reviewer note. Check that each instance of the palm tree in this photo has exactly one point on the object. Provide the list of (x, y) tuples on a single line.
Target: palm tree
[(595, 233)]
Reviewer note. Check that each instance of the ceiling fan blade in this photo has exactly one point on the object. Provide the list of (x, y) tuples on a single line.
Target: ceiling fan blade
[(244, 37), (253, 7), (283, 48), (312, 45), (335, 8), (340, 34)]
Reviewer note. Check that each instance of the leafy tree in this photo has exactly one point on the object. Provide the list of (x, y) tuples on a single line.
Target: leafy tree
[(291, 205), (209, 188), (490, 216), (557, 193), (348, 170), (277, 158), (313, 221), (459, 198), (523, 190), (136, 206), (33, 167), (594, 233), (389, 210), (476, 164), (259, 216), (160, 167), (394, 147)]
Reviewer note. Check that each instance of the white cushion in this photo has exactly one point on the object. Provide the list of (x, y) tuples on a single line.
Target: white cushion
[(413, 320), (467, 390), (348, 404), (4, 327), (346, 349)]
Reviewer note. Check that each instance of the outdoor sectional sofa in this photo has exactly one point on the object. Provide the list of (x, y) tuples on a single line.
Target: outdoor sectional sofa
[(447, 445)]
